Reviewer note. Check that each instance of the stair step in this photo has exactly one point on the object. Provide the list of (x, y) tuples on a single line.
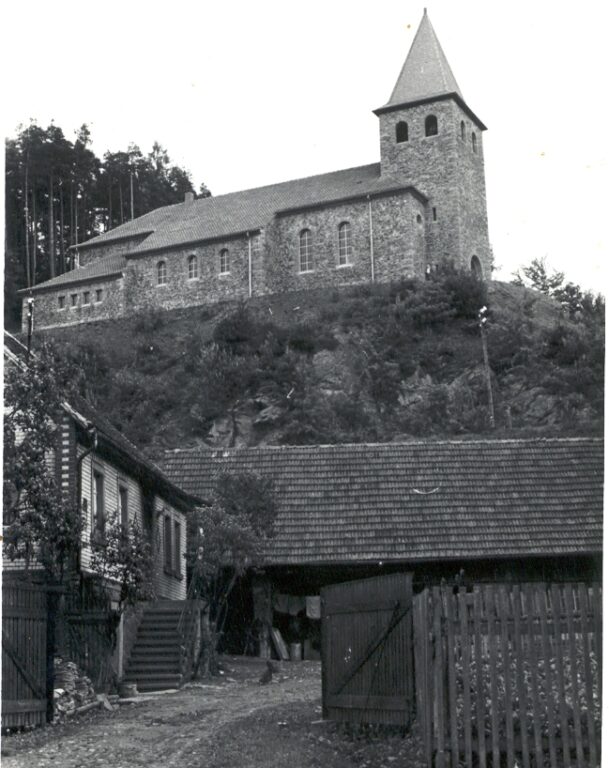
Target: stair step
[(165, 678), (154, 668)]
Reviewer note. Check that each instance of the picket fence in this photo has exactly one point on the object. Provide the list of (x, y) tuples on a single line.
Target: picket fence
[(509, 674)]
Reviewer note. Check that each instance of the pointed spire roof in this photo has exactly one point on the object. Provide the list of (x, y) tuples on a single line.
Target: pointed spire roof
[(426, 72)]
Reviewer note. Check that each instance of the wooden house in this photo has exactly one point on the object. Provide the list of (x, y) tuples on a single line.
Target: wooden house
[(108, 478)]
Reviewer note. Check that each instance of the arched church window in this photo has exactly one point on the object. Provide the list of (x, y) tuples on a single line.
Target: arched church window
[(161, 273), (306, 251), (401, 132), (193, 267), (345, 249), (224, 262), (474, 147), (476, 267), (462, 131), (431, 125)]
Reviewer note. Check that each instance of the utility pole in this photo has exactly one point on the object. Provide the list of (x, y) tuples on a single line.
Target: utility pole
[(482, 319)]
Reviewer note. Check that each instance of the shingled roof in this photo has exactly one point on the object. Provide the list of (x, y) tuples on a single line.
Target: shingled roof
[(426, 72), (238, 212), (419, 501), (101, 269)]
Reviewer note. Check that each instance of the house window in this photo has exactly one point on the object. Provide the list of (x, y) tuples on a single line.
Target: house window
[(61, 302), (161, 273), (193, 267), (345, 249), (306, 251), (434, 213), (419, 218), (401, 132), (168, 544), (431, 125), (99, 510), (462, 131), (74, 299), (177, 548), (98, 295), (224, 262), (86, 297), (256, 244), (123, 504), (474, 148)]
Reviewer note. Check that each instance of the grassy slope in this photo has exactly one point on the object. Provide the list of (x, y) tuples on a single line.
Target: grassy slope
[(330, 367)]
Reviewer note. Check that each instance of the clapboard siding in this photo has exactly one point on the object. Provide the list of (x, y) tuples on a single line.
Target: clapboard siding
[(167, 586)]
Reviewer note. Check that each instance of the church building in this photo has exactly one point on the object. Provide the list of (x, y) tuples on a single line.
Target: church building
[(423, 203)]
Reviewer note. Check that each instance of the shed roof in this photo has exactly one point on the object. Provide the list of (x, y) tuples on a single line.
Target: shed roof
[(419, 501)]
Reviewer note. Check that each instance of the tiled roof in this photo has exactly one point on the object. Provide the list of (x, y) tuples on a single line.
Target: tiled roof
[(426, 71), (116, 440), (107, 266), (419, 501), (238, 212)]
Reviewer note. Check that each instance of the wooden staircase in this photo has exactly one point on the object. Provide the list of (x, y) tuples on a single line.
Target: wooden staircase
[(161, 656)]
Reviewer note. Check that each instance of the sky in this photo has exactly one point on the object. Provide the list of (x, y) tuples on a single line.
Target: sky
[(244, 94)]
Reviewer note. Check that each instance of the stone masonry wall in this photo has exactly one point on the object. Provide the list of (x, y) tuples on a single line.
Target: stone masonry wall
[(445, 168), (48, 313), (398, 244), (143, 292), (398, 234)]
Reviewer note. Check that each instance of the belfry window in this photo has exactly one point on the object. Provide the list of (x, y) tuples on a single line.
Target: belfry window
[(224, 262), (474, 147), (401, 132), (431, 125), (345, 249), (161, 273), (306, 251), (193, 267)]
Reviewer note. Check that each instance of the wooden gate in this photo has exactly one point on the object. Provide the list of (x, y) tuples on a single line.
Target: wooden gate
[(24, 655), (367, 654)]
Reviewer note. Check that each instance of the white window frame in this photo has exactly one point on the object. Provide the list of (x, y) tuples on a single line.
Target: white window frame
[(161, 273), (345, 246), (193, 267), (224, 262), (305, 251)]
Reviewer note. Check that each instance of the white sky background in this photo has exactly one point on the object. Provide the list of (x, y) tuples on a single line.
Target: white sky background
[(244, 94)]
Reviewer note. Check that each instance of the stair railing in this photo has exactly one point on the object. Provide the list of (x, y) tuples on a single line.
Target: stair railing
[(188, 631)]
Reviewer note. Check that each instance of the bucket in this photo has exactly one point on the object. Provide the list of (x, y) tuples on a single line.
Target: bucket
[(295, 651), (127, 690)]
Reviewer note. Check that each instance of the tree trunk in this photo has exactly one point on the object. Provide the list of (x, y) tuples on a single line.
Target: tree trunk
[(120, 197), (62, 245), (28, 268), (51, 229), (109, 202), (34, 237)]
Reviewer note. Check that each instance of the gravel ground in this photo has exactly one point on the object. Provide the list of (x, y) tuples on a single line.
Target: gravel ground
[(230, 722)]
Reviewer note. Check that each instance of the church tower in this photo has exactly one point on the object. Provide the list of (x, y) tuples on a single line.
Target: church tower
[(430, 138)]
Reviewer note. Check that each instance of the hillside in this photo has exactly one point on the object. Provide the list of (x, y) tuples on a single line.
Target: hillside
[(366, 364)]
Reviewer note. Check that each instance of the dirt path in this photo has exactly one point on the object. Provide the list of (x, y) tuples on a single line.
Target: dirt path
[(233, 721)]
